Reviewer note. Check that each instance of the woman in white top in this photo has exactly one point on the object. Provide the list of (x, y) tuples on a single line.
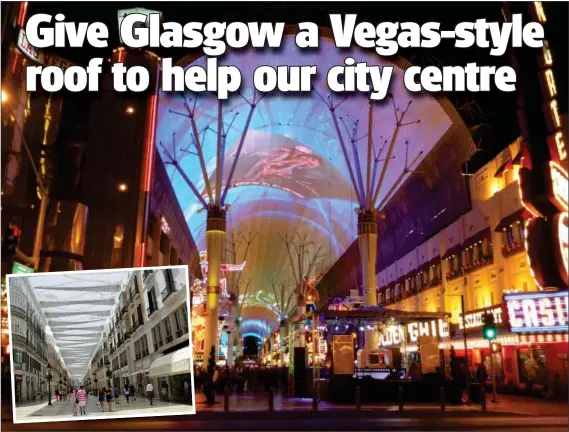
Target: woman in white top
[(73, 400)]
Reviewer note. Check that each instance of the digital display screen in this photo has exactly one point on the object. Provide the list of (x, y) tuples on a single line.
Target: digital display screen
[(291, 177)]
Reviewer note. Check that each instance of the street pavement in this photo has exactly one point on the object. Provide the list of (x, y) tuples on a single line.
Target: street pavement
[(251, 413), (260, 402), (62, 410)]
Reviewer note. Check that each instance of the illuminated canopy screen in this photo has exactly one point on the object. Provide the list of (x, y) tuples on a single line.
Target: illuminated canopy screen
[(291, 176)]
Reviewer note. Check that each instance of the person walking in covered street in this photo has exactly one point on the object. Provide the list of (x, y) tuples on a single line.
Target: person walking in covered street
[(109, 399), (81, 397), (126, 393), (102, 398), (116, 393), (73, 401), (150, 392)]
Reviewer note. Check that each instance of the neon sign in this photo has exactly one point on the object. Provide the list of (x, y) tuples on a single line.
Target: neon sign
[(474, 320), (394, 335), (26, 48), (537, 312), (559, 186), (561, 224)]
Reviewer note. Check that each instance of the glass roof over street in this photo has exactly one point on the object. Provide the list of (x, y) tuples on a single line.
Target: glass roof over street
[(76, 306), (291, 176)]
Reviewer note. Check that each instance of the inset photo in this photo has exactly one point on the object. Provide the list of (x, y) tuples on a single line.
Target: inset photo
[(89, 345)]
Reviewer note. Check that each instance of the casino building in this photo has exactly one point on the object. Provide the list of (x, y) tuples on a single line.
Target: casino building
[(508, 256)]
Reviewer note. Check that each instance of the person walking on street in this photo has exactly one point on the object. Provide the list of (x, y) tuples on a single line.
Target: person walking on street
[(149, 392), (126, 393), (186, 389), (73, 401), (116, 391), (102, 398), (109, 399), (81, 397), (132, 392)]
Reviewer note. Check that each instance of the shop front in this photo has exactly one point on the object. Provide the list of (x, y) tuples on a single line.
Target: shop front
[(171, 376), (531, 344)]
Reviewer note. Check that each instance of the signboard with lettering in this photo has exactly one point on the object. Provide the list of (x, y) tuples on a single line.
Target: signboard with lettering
[(474, 319), (393, 335), (543, 179), (343, 354), (25, 47), (537, 312)]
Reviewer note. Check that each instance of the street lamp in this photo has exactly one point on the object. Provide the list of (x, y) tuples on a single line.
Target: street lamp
[(95, 380), (48, 377)]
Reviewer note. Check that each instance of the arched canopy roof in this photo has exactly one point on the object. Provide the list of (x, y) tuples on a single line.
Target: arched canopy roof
[(291, 176)]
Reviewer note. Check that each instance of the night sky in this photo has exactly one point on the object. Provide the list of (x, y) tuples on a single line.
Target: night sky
[(498, 110)]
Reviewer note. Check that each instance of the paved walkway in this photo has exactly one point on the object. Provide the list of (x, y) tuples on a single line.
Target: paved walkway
[(506, 404), (62, 410)]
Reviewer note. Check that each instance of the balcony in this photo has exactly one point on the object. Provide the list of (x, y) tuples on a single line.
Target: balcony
[(512, 249), (16, 338), (179, 333), (119, 342), (153, 308), (127, 334), (166, 292), (17, 311), (478, 263), (169, 338), (135, 325)]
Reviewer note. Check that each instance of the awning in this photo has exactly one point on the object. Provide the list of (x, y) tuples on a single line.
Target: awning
[(176, 363), (518, 215), (478, 237), (138, 372), (518, 158), (452, 251), (505, 166)]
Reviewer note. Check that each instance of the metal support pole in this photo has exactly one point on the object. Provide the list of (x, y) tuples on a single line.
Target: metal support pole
[(494, 396), (400, 397), (443, 400), (315, 398), (271, 400), (358, 398), (226, 399), (38, 240), (463, 310)]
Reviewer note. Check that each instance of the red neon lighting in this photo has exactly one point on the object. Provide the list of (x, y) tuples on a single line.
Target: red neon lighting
[(121, 55), (22, 14), (148, 164), (15, 64)]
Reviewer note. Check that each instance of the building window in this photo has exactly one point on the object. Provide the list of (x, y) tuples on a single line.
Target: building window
[(152, 304), (179, 331), (157, 336), (144, 346), (513, 238), (168, 329)]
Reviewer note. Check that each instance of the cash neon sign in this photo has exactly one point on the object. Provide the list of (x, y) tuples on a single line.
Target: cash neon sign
[(537, 312)]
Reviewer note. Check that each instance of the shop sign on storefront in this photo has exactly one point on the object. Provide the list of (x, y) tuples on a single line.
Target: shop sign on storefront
[(537, 312), (474, 320), (394, 335)]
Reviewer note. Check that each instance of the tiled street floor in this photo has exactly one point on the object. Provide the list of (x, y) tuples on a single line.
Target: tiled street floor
[(62, 410)]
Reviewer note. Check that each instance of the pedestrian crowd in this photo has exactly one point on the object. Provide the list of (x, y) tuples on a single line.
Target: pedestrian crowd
[(244, 379)]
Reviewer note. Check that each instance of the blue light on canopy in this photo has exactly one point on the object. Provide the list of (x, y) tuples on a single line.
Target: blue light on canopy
[(291, 176)]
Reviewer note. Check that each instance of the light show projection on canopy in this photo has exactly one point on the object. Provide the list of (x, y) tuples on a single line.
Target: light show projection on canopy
[(76, 306), (291, 176)]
